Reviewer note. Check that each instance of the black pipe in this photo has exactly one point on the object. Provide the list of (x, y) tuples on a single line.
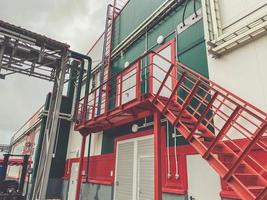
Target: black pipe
[(81, 58), (72, 79), (184, 12), (23, 173), (88, 158), (195, 8), (86, 93)]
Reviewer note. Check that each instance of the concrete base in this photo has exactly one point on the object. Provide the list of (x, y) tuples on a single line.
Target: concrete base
[(96, 192), (105, 192), (54, 188), (64, 191), (167, 196)]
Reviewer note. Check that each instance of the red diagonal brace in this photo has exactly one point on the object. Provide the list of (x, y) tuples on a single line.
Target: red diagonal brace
[(223, 131), (94, 102), (174, 91), (244, 153), (163, 82), (205, 112), (187, 101), (263, 194)]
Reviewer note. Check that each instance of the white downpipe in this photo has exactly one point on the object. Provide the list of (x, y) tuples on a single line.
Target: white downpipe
[(175, 155), (168, 152)]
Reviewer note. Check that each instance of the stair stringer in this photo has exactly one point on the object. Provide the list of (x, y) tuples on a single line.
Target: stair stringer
[(240, 189)]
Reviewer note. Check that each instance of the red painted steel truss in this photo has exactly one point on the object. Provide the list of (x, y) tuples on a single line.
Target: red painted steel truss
[(207, 115)]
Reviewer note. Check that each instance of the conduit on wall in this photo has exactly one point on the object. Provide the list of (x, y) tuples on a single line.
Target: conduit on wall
[(168, 151), (175, 154)]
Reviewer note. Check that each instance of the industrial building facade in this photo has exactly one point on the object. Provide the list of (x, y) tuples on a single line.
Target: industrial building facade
[(157, 122)]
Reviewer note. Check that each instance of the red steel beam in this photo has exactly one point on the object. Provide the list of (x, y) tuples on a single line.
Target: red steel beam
[(223, 131), (174, 91), (163, 82), (79, 182), (157, 160), (187, 101), (243, 154), (205, 112)]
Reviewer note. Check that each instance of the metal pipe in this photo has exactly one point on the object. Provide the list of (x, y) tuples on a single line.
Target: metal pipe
[(81, 58), (184, 11), (23, 173), (52, 123), (88, 158), (87, 87)]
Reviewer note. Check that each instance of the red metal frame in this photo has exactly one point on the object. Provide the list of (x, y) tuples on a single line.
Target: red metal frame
[(81, 161), (158, 157), (120, 79), (173, 72)]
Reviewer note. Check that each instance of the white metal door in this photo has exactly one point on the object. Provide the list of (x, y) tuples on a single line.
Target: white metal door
[(124, 171), (73, 181), (160, 67), (135, 169), (146, 178), (203, 182)]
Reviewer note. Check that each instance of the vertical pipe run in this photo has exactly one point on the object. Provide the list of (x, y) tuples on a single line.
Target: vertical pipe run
[(23, 173), (50, 133), (157, 155), (88, 158), (79, 181)]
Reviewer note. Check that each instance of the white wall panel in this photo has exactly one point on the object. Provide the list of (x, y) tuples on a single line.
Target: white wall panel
[(203, 181), (96, 144), (74, 144), (233, 10), (243, 72)]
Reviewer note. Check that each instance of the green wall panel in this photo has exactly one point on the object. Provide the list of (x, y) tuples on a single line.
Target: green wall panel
[(132, 16), (165, 27), (109, 136), (191, 50)]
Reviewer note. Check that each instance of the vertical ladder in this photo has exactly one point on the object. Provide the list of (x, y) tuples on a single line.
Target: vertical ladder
[(112, 12)]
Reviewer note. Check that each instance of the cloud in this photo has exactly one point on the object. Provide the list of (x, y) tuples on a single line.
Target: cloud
[(78, 23)]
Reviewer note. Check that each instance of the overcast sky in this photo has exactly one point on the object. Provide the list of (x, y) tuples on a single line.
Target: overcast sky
[(76, 22)]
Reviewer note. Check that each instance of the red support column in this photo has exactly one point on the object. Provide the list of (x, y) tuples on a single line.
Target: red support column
[(157, 160), (79, 182)]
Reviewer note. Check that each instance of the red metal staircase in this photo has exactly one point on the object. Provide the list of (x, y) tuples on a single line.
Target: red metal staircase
[(223, 128)]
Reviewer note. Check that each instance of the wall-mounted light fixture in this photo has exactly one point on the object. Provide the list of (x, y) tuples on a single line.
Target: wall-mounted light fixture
[(160, 39), (134, 128), (126, 64)]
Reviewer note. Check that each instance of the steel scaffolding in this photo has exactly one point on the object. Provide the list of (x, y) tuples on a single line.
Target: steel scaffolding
[(32, 54)]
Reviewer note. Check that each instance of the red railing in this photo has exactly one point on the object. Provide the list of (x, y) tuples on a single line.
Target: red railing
[(219, 110), (124, 87), (214, 116)]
